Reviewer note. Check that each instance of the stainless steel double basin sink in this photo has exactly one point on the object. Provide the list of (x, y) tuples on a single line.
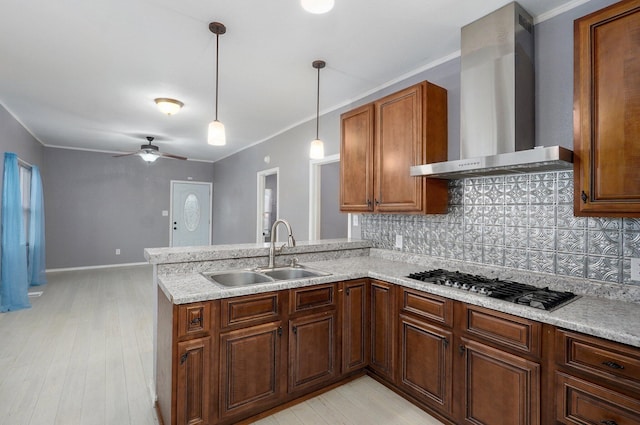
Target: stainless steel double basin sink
[(234, 278)]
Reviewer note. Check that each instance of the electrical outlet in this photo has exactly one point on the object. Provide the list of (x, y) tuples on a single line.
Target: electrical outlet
[(399, 241), (635, 269), (165, 213), (117, 251)]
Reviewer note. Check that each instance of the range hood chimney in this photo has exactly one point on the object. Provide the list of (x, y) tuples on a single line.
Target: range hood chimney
[(497, 98)]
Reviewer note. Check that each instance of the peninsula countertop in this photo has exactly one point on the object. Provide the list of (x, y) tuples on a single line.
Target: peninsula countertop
[(602, 317)]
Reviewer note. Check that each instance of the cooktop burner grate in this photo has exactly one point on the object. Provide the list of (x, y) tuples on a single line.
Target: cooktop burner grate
[(520, 293)]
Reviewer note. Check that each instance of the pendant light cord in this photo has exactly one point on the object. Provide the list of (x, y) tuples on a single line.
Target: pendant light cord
[(217, 38), (318, 108)]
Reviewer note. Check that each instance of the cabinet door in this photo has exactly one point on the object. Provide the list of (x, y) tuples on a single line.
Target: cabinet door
[(356, 160), (383, 329), (398, 146), (355, 320), (192, 382), (607, 112), (252, 371), (500, 388), (312, 350), (425, 359)]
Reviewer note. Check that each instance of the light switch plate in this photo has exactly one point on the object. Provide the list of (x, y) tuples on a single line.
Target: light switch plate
[(635, 269), (399, 241), (165, 213), (117, 251)]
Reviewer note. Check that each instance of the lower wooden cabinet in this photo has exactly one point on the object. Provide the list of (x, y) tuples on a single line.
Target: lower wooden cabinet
[(384, 315), (312, 350), (499, 387), (193, 387), (426, 358), (253, 369), (355, 325)]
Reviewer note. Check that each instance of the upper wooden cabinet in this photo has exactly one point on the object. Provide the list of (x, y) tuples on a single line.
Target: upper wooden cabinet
[(607, 112), (380, 141)]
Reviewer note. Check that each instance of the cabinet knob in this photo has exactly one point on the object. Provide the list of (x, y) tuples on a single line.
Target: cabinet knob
[(462, 349), (183, 358), (347, 291), (196, 321), (280, 331), (369, 203), (584, 197), (295, 330), (613, 365), (377, 202)]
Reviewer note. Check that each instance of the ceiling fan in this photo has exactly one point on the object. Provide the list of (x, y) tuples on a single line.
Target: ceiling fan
[(149, 153)]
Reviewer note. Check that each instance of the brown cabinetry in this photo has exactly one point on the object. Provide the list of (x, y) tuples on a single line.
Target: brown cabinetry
[(426, 348), (383, 329), (193, 387), (597, 381), (607, 112), (379, 144), (355, 324)]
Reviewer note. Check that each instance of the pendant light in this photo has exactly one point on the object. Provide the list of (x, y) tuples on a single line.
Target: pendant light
[(216, 135), (317, 146), (317, 6)]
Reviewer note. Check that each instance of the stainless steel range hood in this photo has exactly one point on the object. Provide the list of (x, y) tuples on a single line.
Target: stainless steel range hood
[(497, 116)]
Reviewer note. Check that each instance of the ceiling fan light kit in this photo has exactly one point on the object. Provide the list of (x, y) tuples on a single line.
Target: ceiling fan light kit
[(316, 150), (149, 153), (216, 134), (168, 106), (317, 6)]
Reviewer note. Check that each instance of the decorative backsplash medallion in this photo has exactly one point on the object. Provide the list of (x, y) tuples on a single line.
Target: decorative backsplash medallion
[(520, 221)]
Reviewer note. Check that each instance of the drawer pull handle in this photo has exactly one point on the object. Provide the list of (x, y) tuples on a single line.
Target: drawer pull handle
[(295, 330), (196, 321), (183, 358), (613, 365), (280, 331), (608, 422), (445, 342), (584, 197), (462, 349), (348, 292)]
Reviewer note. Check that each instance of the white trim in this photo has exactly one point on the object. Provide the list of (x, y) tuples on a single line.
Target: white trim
[(105, 266), (171, 182), (314, 195), (558, 11), (261, 176)]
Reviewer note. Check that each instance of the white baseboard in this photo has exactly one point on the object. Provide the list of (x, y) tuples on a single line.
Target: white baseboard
[(106, 266)]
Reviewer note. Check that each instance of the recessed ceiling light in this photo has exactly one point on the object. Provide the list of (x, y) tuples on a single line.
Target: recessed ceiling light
[(169, 106), (317, 6)]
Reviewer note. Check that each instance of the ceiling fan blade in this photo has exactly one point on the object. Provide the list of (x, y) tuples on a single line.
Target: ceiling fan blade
[(125, 154), (168, 155)]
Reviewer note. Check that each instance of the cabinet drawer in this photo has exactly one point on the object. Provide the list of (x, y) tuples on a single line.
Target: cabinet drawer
[(429, 306), (603, 359), (302, 299), (509, 331), (581, 402), (194, 318), (250, 309)]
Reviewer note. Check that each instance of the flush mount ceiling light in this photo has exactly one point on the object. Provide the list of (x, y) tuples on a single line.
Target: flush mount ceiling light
[(216, 136), (317, 147), (168, 106), (317, 6)]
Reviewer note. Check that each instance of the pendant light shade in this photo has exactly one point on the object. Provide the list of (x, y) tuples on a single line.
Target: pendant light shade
[(317, 146), (317, 6), (216, 134)]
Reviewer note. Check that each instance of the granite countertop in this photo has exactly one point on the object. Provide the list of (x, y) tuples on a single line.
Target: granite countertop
[(606, 318)]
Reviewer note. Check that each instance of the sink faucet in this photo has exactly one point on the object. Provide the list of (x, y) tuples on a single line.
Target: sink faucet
[(272, 248)]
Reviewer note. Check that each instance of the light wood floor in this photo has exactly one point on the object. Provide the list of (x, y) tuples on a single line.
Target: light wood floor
[(83, 355)]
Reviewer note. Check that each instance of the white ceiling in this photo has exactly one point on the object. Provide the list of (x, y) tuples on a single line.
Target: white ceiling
[(83, 74)]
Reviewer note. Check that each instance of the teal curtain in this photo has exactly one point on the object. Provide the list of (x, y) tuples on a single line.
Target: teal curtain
[(14, 286), (36, 231)]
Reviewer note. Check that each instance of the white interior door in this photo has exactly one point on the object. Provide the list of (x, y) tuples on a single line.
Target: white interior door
[(190, 213)]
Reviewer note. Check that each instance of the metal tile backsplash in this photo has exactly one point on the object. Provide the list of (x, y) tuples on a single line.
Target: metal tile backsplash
[(519, 221)]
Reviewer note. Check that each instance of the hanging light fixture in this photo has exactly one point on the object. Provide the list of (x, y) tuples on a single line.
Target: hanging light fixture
[(317, 6), (216, 135), (168, 106), (317, 147)]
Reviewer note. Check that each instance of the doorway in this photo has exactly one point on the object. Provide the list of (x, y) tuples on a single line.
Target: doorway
[(190, 216), (268, 202), (325, 219)]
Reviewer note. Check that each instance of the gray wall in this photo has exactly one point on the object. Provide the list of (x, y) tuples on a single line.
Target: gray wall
[(333, 223), (95, 203), (234, 197)]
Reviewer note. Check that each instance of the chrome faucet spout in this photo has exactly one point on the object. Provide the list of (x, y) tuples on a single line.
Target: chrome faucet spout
[(291, 242)]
